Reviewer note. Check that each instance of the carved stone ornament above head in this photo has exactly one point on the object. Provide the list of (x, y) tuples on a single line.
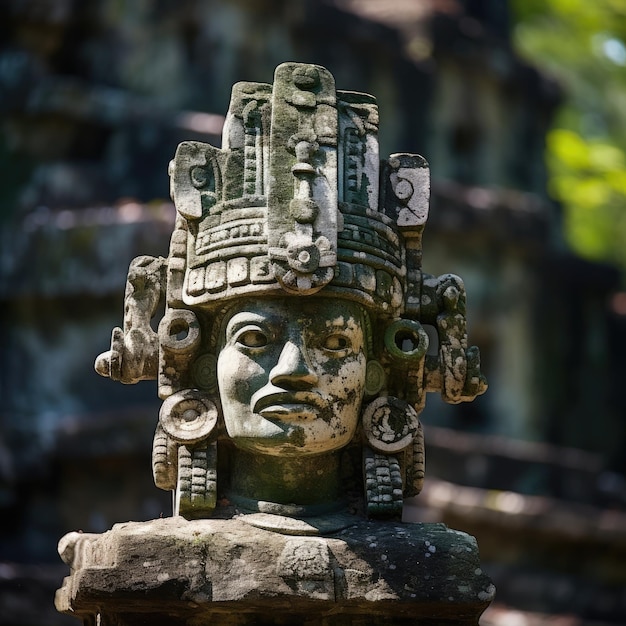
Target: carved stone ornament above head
[(291, 358)]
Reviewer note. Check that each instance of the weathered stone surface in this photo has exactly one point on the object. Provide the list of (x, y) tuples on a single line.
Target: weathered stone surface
[(190, 572)]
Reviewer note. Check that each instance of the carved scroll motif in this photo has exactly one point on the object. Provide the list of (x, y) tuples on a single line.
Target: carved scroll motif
[(134, 350)]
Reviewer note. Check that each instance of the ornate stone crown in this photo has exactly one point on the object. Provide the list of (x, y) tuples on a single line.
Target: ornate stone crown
[(292, 201)]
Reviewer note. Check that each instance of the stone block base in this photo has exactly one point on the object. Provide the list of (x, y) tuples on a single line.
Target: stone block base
[(176, 572)]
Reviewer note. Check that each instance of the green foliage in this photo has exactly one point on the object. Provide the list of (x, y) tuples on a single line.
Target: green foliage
[(582, 44)]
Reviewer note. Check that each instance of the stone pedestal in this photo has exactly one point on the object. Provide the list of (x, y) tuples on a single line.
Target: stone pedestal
[(229, 572)]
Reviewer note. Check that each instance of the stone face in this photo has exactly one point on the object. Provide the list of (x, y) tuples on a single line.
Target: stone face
[(301, 395), (190, 572)]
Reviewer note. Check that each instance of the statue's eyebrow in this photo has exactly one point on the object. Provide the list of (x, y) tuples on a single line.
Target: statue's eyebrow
[(350, 322), (245, 318)]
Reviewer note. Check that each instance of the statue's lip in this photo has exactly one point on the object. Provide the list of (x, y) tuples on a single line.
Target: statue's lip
[(279, 404), (288, 411)]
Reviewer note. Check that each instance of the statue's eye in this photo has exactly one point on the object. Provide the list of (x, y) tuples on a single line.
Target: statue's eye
[(252, 339), (336, 342)]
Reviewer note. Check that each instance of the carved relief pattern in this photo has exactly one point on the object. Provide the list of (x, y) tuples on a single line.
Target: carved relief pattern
[(253, 150), (383, 484), (304, 258), (196, 491)]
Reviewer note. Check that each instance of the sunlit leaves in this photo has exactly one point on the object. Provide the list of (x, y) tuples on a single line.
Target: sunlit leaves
[(583, 45)]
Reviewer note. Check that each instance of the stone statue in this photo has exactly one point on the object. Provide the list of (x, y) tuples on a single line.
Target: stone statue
[(294, 310), (292, 358)]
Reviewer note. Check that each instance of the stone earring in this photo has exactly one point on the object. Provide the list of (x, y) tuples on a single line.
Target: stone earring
[(184, 455), (391, 426)]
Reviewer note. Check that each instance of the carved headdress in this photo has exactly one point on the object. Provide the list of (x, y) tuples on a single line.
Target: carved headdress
[(296, 202), (291, 201)]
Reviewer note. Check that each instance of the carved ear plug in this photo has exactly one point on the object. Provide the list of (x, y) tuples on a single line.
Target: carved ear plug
[(406, 341), (188, 416), (179, 331), (390, 424)]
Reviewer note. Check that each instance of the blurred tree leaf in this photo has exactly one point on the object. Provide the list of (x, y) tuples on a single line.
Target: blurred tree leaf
[(582, 44)]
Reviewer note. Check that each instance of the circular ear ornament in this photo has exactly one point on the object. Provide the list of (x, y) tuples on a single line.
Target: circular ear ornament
[(406, 340), (179, 330), (188, 416), (374, 378), (390, 424)]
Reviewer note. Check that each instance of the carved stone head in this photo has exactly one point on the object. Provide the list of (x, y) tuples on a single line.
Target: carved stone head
[(295, 306)]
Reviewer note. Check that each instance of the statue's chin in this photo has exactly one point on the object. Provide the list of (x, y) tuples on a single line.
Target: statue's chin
[(291, 442)]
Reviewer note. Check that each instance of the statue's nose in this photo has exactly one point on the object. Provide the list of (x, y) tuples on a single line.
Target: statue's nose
[(293, 371)]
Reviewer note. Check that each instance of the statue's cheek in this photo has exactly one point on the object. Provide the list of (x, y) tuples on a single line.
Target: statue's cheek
[(348, 378), (238, 376)]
